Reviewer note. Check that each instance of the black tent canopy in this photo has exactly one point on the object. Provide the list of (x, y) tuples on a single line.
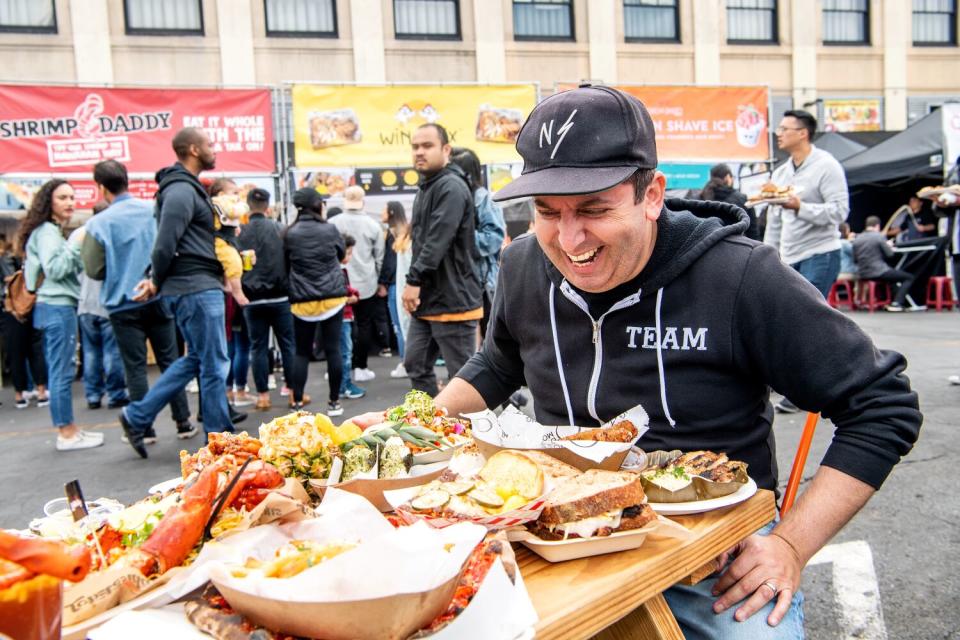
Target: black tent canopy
[(916, 153)]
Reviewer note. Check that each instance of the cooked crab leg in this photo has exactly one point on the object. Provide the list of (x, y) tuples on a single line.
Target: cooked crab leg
[(46, 557)]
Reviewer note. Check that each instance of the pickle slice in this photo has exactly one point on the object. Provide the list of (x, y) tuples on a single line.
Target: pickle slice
[(486, 498), (457, 487), (430, 500)]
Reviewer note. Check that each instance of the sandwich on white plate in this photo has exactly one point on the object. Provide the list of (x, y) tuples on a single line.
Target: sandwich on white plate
[(595, 503)]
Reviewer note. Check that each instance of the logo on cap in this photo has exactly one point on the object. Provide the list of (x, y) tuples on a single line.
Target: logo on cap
[(547, 132)]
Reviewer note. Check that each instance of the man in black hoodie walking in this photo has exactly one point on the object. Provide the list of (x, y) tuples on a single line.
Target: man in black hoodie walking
[(621, 298), (443, 293), (186, 272)]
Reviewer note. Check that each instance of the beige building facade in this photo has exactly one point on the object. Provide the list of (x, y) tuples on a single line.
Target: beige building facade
[(806, 51)]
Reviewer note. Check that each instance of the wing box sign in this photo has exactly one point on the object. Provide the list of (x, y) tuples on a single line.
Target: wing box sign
[(69, 129)]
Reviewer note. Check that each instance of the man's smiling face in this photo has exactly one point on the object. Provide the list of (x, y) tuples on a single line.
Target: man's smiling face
[(600, 240)]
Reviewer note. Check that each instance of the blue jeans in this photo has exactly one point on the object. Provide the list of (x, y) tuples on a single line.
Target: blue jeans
[(102, 365), (346, 354), (820, 270), (200, 317), (395, 317), (238, 352), (260, 319), (692, 606), (59, 326)]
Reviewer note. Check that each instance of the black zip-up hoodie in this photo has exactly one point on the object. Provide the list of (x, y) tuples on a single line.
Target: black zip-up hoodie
[(731, 320), (444, 249), (183, 259)]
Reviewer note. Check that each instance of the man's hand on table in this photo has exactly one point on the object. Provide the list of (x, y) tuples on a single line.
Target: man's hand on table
[(766, 567)]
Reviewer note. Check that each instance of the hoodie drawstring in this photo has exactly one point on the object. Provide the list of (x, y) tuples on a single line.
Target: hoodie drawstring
[(663, 380), (556, 350)]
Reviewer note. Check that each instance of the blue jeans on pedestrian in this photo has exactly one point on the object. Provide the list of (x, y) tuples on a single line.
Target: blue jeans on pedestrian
[(238, 352), (102, 365), (346, 354), (58, 322), (260, 319), (692, 606), (200, 317), (395, 317), (820, 270)]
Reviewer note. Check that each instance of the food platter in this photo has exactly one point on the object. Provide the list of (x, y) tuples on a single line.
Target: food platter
[(166, 485), (700, 506)]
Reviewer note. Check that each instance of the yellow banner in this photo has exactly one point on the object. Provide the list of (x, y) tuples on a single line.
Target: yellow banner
[(371, 126)]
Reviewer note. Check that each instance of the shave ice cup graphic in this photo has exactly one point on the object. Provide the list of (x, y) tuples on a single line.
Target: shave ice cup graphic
[(750, 125)]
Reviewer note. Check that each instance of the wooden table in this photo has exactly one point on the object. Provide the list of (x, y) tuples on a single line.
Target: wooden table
[(579, 598)]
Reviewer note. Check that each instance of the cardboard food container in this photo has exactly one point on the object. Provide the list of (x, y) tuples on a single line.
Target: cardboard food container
[(573, 548), (390, 618), (373, 489), (697, 489), (514, 430), (391, 583)]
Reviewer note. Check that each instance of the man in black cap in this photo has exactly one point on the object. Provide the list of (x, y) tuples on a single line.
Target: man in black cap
[(622, 298), (265, 286)]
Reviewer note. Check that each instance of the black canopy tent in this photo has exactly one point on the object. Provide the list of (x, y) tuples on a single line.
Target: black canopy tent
[(884, 176)]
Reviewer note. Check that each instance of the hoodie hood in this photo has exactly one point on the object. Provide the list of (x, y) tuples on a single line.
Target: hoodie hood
[(686, 229), (177, 173)]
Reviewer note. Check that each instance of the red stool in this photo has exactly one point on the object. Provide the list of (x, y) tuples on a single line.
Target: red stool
[(868, 295), (834, 299), (940, 293)]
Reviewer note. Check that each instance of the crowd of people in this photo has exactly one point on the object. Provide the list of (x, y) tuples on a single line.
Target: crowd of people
[(217, 286)]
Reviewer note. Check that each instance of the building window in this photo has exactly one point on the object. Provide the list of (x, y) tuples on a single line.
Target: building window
[(28, 16), (163, 17), (426, 19), (651, 20), (846, 22), (752, 21), (543, 20), (935, 22), (301, 18)]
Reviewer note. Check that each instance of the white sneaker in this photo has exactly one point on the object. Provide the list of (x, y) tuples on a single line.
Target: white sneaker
[(193, 387), (29, 395), (83, 440), (285, 391), (271, 382), (363, 375), (399, 371), (243, 399), (954, 380)]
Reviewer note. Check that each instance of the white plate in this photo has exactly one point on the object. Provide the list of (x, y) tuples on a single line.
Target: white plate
[(166, 485), (699, 506), (563, 550)]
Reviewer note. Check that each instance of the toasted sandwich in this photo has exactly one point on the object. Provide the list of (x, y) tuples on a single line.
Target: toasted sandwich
[(622, 431), (595, 503)]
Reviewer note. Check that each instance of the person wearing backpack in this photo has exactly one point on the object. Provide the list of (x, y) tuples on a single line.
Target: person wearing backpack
[(58, 261), (22, 343)]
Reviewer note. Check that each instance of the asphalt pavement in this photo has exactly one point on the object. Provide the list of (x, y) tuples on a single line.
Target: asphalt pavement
[(908, 536)]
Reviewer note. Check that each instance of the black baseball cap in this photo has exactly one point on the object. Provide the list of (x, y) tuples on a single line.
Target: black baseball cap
[(309, 199), (585, 140), (258, 195)]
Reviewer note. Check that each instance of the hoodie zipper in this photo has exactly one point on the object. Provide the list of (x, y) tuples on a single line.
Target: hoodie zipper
[(597, 324)]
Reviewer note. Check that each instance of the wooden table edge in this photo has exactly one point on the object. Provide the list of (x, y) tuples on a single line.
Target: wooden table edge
[(612, 606)]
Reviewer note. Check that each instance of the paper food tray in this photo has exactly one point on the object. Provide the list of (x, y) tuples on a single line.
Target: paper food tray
[(563, 550), (514, 430)]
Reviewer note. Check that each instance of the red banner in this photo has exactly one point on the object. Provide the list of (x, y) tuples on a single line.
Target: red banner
[(65, 130)]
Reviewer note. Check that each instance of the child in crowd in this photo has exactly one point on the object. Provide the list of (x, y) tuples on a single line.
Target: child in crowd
[(230, 209), (347, 388)]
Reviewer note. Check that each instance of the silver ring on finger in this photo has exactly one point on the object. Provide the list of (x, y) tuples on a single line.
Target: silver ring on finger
[(770, 584)]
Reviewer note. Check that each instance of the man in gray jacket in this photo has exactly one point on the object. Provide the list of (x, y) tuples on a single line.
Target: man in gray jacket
[(806, 228), (363, 269), (871, 250)]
